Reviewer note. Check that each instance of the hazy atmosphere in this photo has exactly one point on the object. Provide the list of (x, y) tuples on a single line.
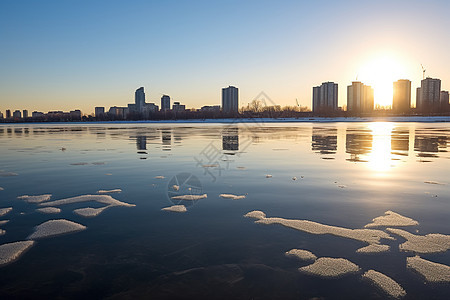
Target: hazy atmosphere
[(63, 55)]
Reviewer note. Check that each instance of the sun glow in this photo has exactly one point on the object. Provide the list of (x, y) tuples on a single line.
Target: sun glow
[(380, 73), (380, 158)]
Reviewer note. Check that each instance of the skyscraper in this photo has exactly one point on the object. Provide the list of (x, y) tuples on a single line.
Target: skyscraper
[(8, 114), (99, 112), (445, 106), (429, 95), (25, 113), (165, 103), (17, 114), (360, 98), (325, 97), (139, 99), (401, 101), (230, 100)]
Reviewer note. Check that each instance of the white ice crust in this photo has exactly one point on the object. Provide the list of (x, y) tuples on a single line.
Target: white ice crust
[(12, 251), (330, 267), (385, 283), (392, 219), (175, 208), (55, 227), (433, 272)]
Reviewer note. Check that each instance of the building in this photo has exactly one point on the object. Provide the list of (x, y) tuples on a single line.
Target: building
[(75, 115), (360, 98), (445, 106), (37, 115), (17, 114), (178, 107), (1, 115), (25, 113), (428, 98), (230, 100), (165, 103), (325, 97), (139, 99), (99, 112), (8, 114), (401, 102), (210, 108), (141, 109), (118, 112)]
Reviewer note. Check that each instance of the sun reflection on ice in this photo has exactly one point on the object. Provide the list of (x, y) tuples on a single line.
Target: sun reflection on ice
[(380, 158)]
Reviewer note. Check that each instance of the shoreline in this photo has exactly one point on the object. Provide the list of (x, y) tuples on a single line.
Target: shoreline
[(415, 119)]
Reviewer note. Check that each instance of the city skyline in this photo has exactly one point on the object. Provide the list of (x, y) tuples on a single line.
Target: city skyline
[(55, 61)]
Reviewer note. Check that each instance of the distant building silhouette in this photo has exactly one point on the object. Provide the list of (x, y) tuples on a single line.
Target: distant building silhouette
[(177, 107), (445, 106), (1, 115), (99, 112), (325, 97), (401, 102), (210, 108), (25, 113), (165, 103), (230, 100), (360, 98), (140, 108), (17, 114), (8, 114), (37, 114), (428, 97)]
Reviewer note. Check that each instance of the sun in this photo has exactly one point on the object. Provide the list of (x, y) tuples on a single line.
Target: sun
[(380, 72)]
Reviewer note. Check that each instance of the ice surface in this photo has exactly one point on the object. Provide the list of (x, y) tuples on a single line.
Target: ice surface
[(1, 189), (330, 267), (175, 208), (4, 211), (7, 174), (433, 182), (104, 199), (190, 197), (256, 214), (371, 236), (12, 251), (294, 178), (79, 164), (159, 177), (2, 222), (210, 166), (230, 196), (109, 191), (55, 227), (301, 254), (392, 219), (268, 176), (49, 210), (373, 248), (430, 243), (176, 187), (385, 283), (35, 199), (433, 272), (90, 211)]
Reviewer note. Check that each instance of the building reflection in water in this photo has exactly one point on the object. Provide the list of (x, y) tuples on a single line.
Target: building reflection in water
[(324, 140), (358, 143), (428, 144), (166, 138), (400, 141), (230, 139), (141, 142)]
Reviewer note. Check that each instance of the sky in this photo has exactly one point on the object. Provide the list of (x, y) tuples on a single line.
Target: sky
[(65, 55)]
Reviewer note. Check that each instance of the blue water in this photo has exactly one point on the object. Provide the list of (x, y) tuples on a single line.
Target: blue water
[(346, 175)]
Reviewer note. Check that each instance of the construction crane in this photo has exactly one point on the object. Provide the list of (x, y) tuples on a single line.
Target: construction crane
[(297, 102), (423, 71)]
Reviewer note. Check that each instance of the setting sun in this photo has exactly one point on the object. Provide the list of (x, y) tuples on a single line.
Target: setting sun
[(380, 73)]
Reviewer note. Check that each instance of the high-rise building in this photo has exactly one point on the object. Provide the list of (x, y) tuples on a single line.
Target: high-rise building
[(360, 98), (178, 107), (139, 99), (99, 111), (17, 114), (445, 106), (165, 103), (429, 95), (230, 100), (25, 113), (37, 114), (8, 114), (401, 101), (1, 115), (325, 97)]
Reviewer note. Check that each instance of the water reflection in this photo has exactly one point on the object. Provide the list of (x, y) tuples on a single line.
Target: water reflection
[(230, 139), (358, 143), (166, 138), (400, 141), (324, 140), (380, 158), (141, 143)]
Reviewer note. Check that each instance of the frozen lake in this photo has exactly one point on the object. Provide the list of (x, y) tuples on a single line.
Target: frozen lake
[(86, 203)]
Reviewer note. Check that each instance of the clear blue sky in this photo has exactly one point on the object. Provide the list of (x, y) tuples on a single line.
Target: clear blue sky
[(65, 55)]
